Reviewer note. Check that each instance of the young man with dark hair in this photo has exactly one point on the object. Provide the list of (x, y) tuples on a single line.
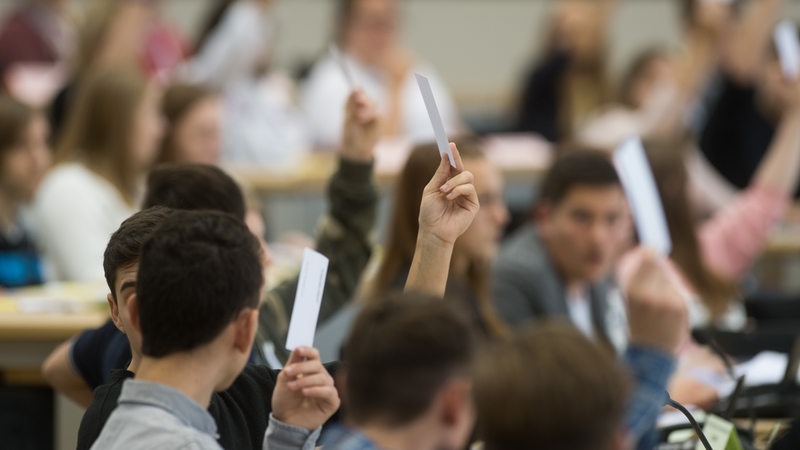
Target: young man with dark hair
[(80, 365), (407, 377), (558, 265), (196, 306)]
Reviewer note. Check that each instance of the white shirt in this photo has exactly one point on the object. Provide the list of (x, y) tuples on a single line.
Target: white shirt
[(74, 214), (580, 312), (325, 94)]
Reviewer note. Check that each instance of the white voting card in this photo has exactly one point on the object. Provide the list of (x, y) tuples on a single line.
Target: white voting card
[(307, 300), (342, 62), (788, 48), (436, 119), (640, 187)]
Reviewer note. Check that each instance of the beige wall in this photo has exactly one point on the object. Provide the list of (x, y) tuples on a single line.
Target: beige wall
[(479, 46)]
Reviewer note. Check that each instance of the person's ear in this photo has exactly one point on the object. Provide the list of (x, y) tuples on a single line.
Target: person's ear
[(457, 413), (246, 325), (114, 308), (133, 311)]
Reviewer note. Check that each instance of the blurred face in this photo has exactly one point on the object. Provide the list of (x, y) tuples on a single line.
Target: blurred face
[(25, 163), (197, 136), (584, 231), (372, 29), (482, 238), (148, 129), (124, 289)]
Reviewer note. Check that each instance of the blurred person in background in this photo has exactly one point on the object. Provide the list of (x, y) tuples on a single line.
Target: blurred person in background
[(109, 145), (36, 40), (126, 33), (368, 32), (24, 159), (569, 80), (193, 115), (262, 123)]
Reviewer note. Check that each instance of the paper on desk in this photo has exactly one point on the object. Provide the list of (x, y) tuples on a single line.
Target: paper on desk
[(340, 60), (436, 118), (307, 300), (788, 48), (764, 368), (640, 187)]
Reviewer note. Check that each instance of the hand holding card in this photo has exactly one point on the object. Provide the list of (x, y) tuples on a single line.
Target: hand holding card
[(640, 187), (307, 300)]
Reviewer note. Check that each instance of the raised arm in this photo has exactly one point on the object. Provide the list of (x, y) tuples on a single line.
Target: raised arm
[(449, 203), (344, 234)]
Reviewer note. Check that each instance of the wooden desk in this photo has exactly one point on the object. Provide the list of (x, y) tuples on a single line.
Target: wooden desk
[(520, 158)]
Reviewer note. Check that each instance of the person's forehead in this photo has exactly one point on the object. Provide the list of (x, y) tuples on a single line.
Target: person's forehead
[(127, 273), (594, 196)]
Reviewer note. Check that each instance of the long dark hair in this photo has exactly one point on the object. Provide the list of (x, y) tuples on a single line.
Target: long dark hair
[(672, 179), (402, 237)]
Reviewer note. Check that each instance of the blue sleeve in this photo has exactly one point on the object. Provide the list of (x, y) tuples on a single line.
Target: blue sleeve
[(97, 351), (651, 371)]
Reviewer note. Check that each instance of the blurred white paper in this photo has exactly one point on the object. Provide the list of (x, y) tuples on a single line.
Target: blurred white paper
[(640, 187), (307, 300), (342, 62), (436, 118), (764, 368), (788, 48)]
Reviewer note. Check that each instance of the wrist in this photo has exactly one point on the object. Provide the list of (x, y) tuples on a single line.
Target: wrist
[(429, 240)]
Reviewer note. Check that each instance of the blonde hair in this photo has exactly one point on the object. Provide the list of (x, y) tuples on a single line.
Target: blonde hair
[(100, 129)]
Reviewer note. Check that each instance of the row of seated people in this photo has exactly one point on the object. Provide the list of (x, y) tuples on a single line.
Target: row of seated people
[(581, 202)]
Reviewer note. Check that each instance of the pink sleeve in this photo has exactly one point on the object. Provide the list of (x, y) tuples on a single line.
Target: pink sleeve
[(731, 241)]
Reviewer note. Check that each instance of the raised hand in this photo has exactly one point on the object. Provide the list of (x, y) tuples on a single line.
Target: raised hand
[(449, 204), (657, 313), (361, 129), (449, 201), (304, 395)]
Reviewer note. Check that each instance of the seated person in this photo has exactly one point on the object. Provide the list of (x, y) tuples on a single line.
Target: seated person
[(209, 263), (24, 159), (560, 263), (343, 237), (368, 34), (556, 389), (236, 411)]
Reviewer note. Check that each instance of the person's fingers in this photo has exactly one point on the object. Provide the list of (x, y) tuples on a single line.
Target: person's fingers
[(441, 175), (317, 379), (326, 394), (461, 179), (464, 192), (304, 368)]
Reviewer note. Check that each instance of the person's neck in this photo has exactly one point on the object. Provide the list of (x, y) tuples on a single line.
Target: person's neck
[(136, 361), (415, 436), (190, 374)]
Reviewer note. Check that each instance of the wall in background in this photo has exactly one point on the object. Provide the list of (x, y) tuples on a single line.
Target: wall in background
[(480, 47)]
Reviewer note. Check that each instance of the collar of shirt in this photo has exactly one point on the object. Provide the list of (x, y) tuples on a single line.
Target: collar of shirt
[(170, 400), (340, 437)]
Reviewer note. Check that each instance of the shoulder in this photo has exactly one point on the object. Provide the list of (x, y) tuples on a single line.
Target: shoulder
[(521, 251), (73, 181)]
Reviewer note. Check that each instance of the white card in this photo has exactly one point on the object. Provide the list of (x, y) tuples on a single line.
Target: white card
[(788, 48), (342, 62), (436, 119), (640, 187), (307, 300)]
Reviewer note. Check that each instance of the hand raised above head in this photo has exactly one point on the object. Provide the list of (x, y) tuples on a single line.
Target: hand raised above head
[(449, 201), (361, 128)]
